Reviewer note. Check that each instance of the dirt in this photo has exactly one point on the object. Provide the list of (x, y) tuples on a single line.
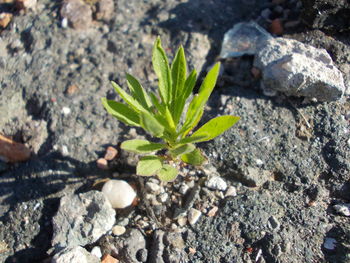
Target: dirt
[(303, 147)]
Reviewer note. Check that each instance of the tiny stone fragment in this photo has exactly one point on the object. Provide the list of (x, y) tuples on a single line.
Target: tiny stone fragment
[(111, 153), (78, 13), (193, 216), (109, 259), (212, 212), (329, 243), (153, 188), (5, 19), (102, 164), (343, 209), (231, 191), (96, 251), (118, 230), (216, 183), (11, 151)]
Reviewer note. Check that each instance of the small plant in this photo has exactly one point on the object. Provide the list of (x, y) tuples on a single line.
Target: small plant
[(162, 116)]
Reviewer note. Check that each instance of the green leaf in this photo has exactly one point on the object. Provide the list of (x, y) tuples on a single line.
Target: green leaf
[(194, 123), (162, 70), (215, 127), (151, 124), (138, 91), (194, 158), (178, 74), (122, 112), (198, 102), (127, 98), (167, 173), (182, 149), (141, 146), (148, 165), (192, 139)]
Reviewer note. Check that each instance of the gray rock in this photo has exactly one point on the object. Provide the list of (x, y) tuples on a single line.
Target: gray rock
[(75, 254), (78, 13), (81, 219), (243, 39), (216, 183), (343, 209), (296, 69), (329, 243), (253, 177)]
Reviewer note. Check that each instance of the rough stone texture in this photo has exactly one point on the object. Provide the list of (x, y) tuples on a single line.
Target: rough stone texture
[(78, 13), (327, 14), (128, 247), (216, 183), (81, 219), (75, 254), (296, 69)]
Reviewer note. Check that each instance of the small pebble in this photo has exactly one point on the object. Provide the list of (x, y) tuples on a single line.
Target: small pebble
[(231, 191), (329, 243), (212, 212), (111, 153), (216, 183), (153, 188), (163, 197), (96, 251), (119, 193), (72, 88), (183, 189), (276, 27), (109, 259), (5, 19), (64, 22), (182, 221), (118, 230), (343, 209), (193, 216), (66, 111), (64, 150), (102, 164)]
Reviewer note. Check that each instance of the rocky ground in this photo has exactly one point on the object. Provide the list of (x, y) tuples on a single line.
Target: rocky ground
[(281, 187)]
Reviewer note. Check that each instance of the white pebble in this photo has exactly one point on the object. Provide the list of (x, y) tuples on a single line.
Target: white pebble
[(66, 111), (96, 251), (231, 191), (119, 193), (183, 189), (64, 150), (216, 183), (163, 197), (343, 209), (259, 162), (118, 230), (193, 216), (329, 243), (64, 22)]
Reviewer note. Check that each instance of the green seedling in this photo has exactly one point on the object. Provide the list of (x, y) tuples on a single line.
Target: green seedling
[(162, 115)]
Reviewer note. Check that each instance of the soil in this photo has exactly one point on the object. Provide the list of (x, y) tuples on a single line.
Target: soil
[(301, 147)]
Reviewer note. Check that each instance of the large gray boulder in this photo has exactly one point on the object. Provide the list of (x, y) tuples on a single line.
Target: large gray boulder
[(81, 219), (296, 69)]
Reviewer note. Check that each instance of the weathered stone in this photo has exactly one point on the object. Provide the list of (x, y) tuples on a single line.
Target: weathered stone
[(81, 219), (343, 209), (75, 254), (78, 13), (296, 69), (105, 9), (216, 183), (193, 216), (5, 19)]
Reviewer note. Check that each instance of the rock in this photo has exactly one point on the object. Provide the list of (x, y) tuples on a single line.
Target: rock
[(81, 219), (193, 216), (75, 254), (243, 39), (329, 243), (111, 153), (231, 191), (102, 163), (5, 19), (212, 212), (26, 4), (119, 193), (216, 183), (333, 17), (296, 69), (254, 177), (66, 111), (343, 209), (78, 13), (104, 10), (163, 197), (11, 151), (96, 251), (118, 230), (183, 188), (198, 50), (153, 188), (109, 259)]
